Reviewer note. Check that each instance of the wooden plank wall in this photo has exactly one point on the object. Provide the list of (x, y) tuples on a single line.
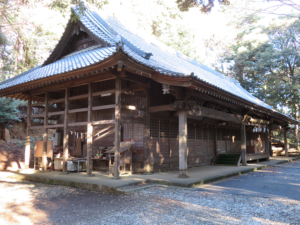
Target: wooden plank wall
[(163, 144), (228, 140)]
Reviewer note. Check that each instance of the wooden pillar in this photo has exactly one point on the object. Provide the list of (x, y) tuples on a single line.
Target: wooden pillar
[(66, 132), (117, 128), (243, 145), (89, 131), (297, 135), (146, 156), (27, 146), (286, 143), (267, 148), (182, 144), (45, 136), (216, 141)]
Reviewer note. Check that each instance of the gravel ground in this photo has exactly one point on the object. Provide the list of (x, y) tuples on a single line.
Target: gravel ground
[(24, 202)]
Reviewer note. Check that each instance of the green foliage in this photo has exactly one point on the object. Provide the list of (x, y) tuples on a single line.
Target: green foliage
[(204, 5), (270, 70), (8, 112), (26, 38)]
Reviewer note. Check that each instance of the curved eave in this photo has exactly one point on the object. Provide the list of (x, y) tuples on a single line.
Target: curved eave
[(191, 81)]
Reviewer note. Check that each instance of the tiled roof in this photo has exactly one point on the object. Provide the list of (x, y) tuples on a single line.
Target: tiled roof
[(152, 54), (71, 62)]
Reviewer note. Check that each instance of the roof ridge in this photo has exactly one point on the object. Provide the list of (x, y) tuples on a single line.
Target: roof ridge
[(142, 52), (99, 25)]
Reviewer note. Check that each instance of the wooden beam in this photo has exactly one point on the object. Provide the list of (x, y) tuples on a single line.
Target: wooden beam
[(38, 104), (27, 146), (103, 107), (78, 97), (38, 115), (243, 144), (161, 108), (56, 100), (45, 136), (77, 124), (117, 128), (56, 113), (36, 127), (89, 131), (99, 93), (103, 122), (133, 93), (66, 132), (214, 114), (78, 110), (182, 116), (52, 126)]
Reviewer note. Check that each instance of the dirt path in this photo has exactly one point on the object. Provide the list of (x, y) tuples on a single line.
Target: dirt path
[(23, 202)]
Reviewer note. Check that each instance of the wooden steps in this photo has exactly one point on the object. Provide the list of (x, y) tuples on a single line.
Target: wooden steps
[(232, 159)]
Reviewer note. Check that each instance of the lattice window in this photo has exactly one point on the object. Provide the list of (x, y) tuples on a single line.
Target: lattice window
[(205, 133), (211, 133), (191, 131), (238, 135), (164, 129), (104, 114), (199, 132), (174, 129), (127, 134), (134, 100), (154, 127), (224, 134), (138, 130), (135, 113), (219, 134)]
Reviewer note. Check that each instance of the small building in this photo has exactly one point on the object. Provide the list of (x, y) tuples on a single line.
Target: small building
[(103, 85)]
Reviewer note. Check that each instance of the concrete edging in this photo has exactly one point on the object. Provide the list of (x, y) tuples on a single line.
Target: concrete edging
[(81, 185)]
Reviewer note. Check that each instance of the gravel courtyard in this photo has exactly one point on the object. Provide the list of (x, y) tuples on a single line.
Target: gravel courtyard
[(23, 202)]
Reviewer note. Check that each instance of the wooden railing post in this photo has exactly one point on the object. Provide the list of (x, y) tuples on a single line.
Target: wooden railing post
[(45, 136), (286, 144), (66, 133), (243, 144), (27, 146), (89, 131), (146, 155), (117, 128), (182, 144), (267, 147)]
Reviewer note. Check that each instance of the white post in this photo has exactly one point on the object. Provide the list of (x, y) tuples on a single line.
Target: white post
[(27, 147), (117, 129), (89, 131), (243, 144), (66, 133), (45, 136), (182, 144)]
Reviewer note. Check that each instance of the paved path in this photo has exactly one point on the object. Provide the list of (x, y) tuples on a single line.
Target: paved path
[(281, 181), (103, 183)]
